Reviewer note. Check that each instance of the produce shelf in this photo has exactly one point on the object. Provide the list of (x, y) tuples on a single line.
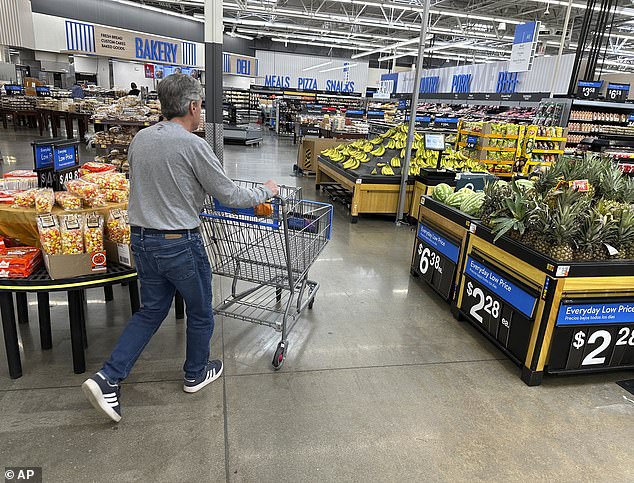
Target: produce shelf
[(495, 148), (548, 151), (492, 135), (546, 138)]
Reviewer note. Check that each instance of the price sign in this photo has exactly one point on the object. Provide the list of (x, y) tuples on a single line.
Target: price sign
[(65, 156), (436, 259), (499, 306), (617, 92), (589, 336), (43, 156), (449, 122), (61, 178), (472, 142), (588, 89)]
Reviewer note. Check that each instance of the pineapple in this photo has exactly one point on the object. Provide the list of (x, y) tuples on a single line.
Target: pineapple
[(514, 216), (612, 183), (596, 231), (624, 235), (494, 201), (564, 228)]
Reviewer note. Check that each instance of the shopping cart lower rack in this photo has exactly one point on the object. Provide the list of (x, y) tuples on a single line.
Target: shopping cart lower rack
[(270, 250)]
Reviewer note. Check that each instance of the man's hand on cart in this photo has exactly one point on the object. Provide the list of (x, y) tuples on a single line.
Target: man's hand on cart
[(272, 185)]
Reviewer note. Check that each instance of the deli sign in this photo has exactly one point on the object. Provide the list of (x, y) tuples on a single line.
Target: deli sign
[(124, 44)]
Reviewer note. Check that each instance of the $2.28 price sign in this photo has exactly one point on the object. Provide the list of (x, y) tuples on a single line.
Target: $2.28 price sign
[(595, 347), (510, 327)]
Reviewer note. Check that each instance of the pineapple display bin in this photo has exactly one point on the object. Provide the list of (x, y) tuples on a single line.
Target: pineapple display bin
[(547, 316), (439, 246), (372, 194)]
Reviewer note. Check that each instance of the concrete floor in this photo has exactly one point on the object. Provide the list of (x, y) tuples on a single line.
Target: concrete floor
[(380, 384)]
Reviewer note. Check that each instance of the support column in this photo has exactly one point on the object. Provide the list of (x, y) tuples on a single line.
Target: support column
[(213, 76)]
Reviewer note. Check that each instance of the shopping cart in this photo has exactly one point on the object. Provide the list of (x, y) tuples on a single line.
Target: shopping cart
[(268, 252)]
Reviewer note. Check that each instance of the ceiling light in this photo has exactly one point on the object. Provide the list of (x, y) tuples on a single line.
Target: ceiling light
[(242, 36), (341, 67), (318, 66)]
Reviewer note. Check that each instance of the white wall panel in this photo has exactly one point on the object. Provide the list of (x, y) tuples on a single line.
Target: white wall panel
[(290, 69), (86, 65), (485, 76), (126, 72), (16, 25)]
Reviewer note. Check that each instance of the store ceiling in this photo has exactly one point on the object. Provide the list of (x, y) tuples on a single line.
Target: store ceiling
[(461, 30)]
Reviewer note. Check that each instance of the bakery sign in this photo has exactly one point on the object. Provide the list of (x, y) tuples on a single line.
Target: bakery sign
[(86, 38)]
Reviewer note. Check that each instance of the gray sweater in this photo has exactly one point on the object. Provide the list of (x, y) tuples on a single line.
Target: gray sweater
[(171, 171)]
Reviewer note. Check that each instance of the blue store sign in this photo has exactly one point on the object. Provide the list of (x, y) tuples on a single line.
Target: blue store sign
[(64, 156), (592, 314)]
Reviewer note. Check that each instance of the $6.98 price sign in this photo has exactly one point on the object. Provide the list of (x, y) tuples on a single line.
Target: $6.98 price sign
[(607, 346)]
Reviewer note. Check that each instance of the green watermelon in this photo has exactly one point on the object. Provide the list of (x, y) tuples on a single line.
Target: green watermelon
[(472, 204), (442, 192), (456, 199)]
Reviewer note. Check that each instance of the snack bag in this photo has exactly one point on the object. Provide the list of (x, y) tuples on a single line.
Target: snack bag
[(72, 234), (25, 199), (95, 167), (68, 201), (50, 236), (117, 196), (117, 181), (44, 200), (82, 188), (93, 233), (97, 201), (118, 226)]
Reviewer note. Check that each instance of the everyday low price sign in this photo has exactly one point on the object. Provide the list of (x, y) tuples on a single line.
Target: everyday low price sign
[(502, 287), (593, 335), (436, 259)]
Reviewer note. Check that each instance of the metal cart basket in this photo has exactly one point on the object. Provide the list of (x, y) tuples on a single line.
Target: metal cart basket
[(271, 248)]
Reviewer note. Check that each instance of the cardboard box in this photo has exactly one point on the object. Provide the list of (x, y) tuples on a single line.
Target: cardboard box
[(119, 253), (69, 266), (309, 150)]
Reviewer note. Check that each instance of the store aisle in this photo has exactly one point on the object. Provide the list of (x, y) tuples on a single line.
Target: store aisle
[(380, 384)]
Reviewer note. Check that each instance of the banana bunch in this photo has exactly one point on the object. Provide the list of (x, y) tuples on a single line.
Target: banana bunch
[(351, 163), (391, 144), (378, 152), (376, 140), (361, 156), (367, 147), (395, 162), (387, 170)]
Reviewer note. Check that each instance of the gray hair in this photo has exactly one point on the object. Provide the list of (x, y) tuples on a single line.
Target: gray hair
[(176, 92)]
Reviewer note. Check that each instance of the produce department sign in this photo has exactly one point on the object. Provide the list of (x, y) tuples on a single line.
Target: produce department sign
[(125, 44)]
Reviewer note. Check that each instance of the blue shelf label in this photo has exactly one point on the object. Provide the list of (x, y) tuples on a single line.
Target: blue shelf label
[(64, 157), (438, 242), (619, 87), (420, 118), (503, 288), (43, 157), (355, 112), (596, 84), (591, 314), (446, 119)]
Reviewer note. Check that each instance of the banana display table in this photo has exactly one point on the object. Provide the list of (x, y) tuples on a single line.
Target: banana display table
[(547, 316), (370, 193)]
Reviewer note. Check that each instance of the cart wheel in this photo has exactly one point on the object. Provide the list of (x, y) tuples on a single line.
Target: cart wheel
[(278, 358), (354, 219), (310, 304)]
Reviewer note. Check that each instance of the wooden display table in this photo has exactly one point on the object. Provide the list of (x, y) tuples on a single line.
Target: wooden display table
[(370, 194)]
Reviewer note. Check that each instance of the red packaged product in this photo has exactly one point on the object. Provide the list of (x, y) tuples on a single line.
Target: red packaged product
[(20, 173), (19, 262), (95, 167)]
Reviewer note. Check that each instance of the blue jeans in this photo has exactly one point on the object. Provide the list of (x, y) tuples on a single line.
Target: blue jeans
[(165, 265)]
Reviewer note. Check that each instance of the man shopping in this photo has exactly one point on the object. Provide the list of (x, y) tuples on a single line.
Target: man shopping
[(171, 172)]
